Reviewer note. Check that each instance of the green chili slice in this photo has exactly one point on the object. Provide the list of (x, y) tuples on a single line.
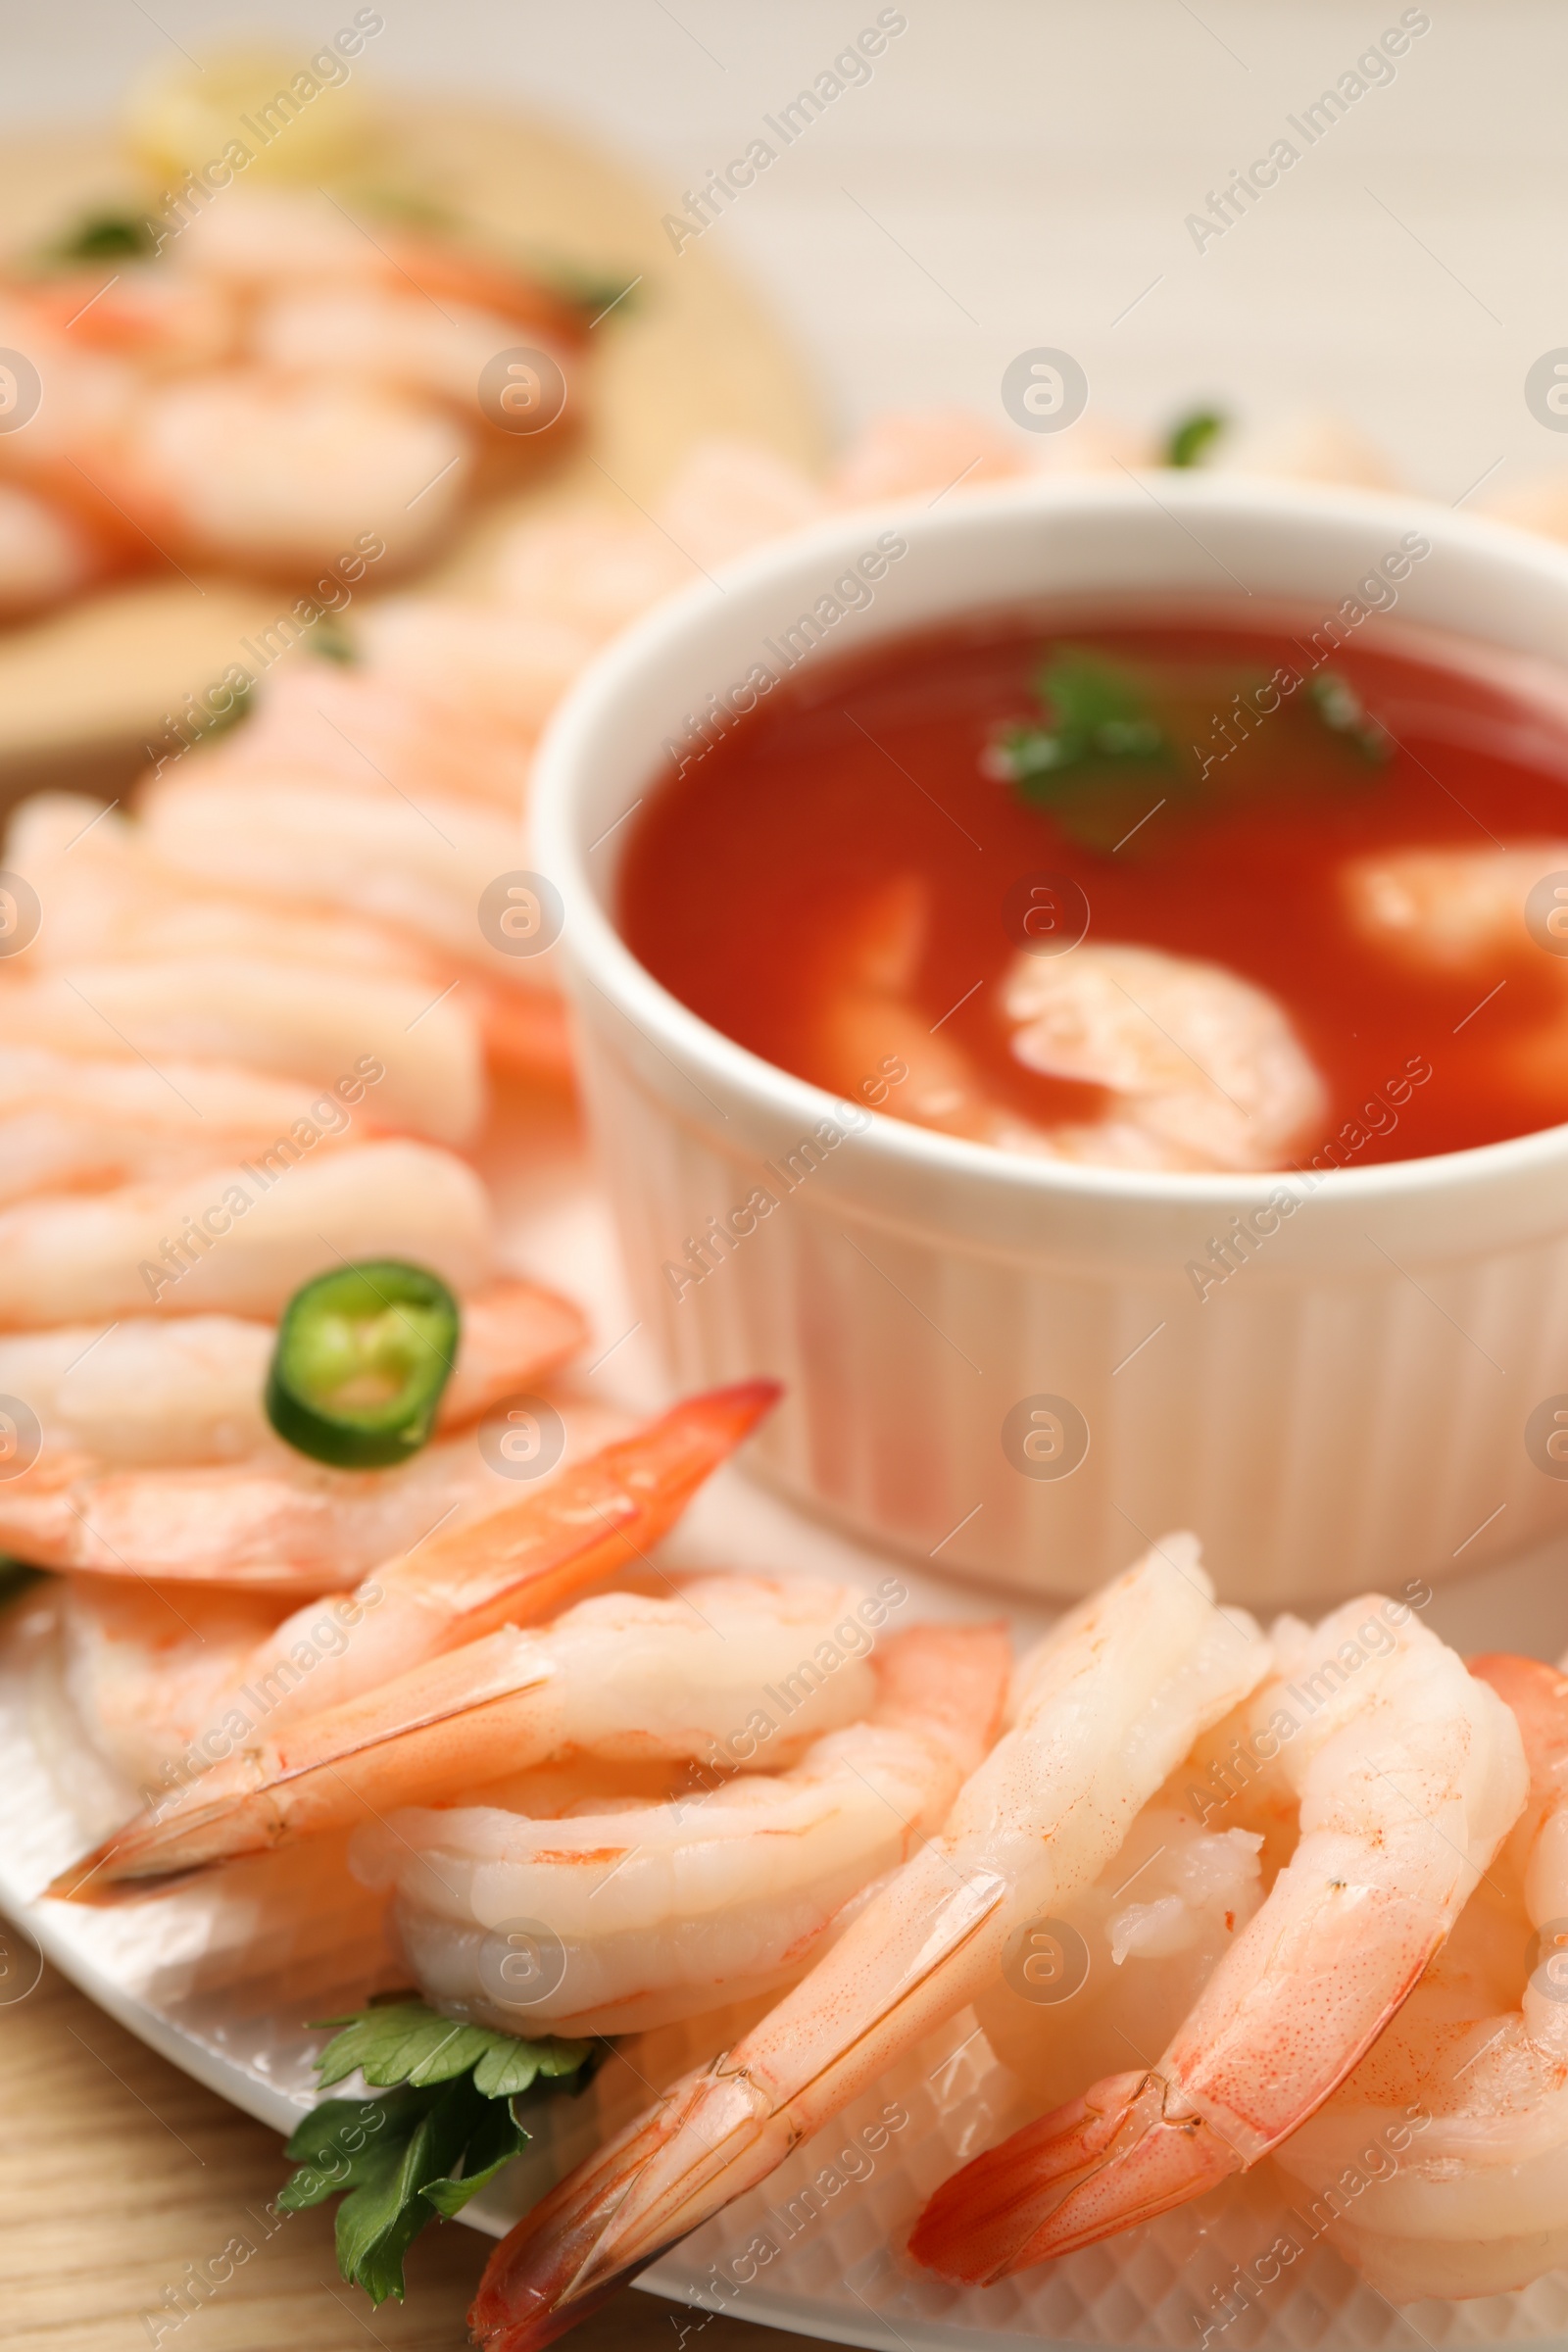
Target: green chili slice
[(362, 1355)]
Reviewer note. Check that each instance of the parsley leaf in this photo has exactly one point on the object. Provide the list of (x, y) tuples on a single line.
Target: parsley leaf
[(1189, 439), (104, 237), (447, 2125), (1101, 717), (1091, 762), (331, 641), (14, 1575), (1343, 712)]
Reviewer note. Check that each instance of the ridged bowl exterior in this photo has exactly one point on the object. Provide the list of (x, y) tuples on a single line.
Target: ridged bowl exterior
[(1345, 1409)]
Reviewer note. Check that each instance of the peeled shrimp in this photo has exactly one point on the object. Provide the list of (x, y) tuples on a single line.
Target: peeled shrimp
[(1201, 1069), (272, 1522), (44, 554), (241, 1239), (342, 361), (730, 496), (463, 658), (421, 864), (1310, 446), (1199, 1063), (1458, 911), (1472, 912), (521, 1562), (592, 572), (1409, 1773), (379, 334), (1154, 1927), (1453, 2129), (518, 1565), (260, 239), (369, 731), (620, 1677), (331, 469), (156, 1391), (719, 1893), (1104, 1708), (272, 1014), (70, 1122), (144, 1668), (109, 896), (930, 450)]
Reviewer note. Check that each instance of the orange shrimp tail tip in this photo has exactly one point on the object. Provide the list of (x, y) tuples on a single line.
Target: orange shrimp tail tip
[(507, 2318), (736, 1410), (1096, 2166), (530, 2294)]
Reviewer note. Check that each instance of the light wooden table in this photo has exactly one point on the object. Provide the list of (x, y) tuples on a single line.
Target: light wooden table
[(117, 2170)]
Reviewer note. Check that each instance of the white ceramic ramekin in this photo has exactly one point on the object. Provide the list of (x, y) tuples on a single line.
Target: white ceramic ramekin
[(954, 1326)]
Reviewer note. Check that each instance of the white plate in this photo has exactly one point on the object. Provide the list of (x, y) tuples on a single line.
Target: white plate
[(221, 1978)]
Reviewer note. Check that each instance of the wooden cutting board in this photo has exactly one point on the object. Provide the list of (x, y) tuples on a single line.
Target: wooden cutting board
[(687, 355)]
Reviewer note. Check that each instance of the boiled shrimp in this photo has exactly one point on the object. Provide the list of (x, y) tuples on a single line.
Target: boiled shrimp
[(262, 241), (593, 571), (241, 1238), (44, 554), (144, 1668), (110, 896), (1150, 1931), (1455, 910), (517, 1564), (463, 658), (723, 1891), (620, 1677), (1456, 2123), (1106, 1707), (285, 1018), (119, 900), (1486, 915), (1309, 446), (929, 450), (343, 362), (1409, 1773), (381, 335), (269, 1522), (1200, 1068), (71, 1122), (151, 1392), (368, 730), (328, 468), (1198, 1061), (421, 866)]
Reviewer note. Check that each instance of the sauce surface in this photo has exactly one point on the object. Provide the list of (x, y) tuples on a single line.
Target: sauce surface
[(754, 882)]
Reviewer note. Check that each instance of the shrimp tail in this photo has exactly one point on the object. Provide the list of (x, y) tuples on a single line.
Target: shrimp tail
[(710, 2137), (1116, 2156)]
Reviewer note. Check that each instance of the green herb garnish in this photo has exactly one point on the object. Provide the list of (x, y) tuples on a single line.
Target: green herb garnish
[(15, 1576), (1118, 743), (588, 291), (1099, 715), (329, 639), (105, 237), (445, 2130), (1093, 761), (241, 703), (1189, 439), (1343, 712)]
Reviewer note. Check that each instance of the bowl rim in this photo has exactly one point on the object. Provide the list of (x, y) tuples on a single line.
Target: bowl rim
[(600, 961)]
